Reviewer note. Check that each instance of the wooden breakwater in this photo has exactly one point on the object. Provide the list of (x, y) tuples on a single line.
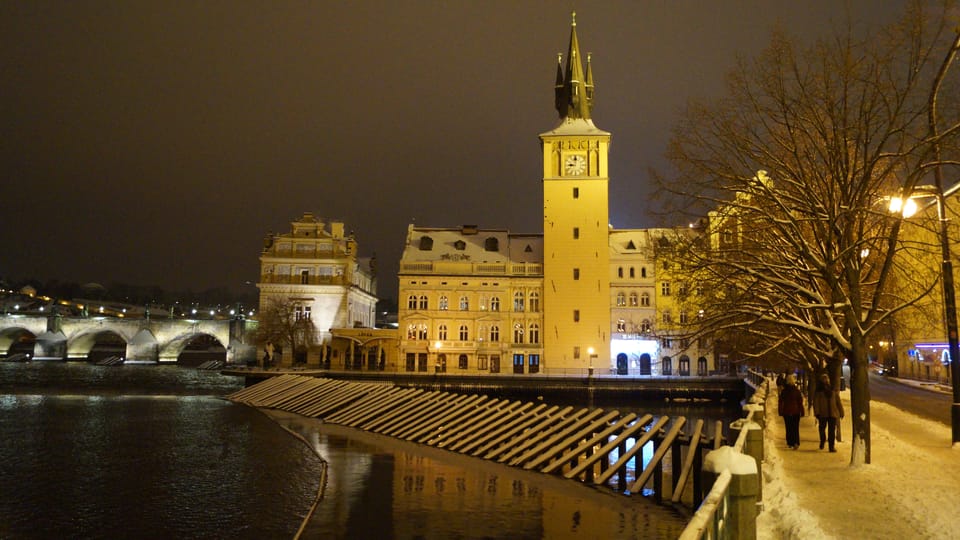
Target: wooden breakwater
[(591, 445)]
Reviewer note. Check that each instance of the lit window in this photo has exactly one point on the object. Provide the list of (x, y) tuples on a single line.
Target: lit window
[(495, 304), (464, 303), (645, 326), (633, 299), (518, 301), (621, 325), (444, 303), (621, 299)]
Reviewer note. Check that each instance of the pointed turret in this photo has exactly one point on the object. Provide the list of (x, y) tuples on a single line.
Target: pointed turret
[(574, 92)]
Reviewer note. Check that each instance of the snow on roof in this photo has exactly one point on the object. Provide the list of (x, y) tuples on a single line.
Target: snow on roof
[(472, 244)]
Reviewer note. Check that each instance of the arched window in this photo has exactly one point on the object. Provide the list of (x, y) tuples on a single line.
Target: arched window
[(495, 303), (464, 303), (412, 331), (633, 299), (621, 299), (633, 273), (620, 272), (534, 336), (645, 299), (412, 302), (422, 332), (494, 333), (518, 301), (518, 333), (423, 302), (643, 271), (464, 333), (534, 302), (645, 326), (442, 332), (621, 325), (462, 361), (444, 303)]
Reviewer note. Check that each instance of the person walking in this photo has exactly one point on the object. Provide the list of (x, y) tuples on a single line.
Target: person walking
[(827, 408), (791, 409)]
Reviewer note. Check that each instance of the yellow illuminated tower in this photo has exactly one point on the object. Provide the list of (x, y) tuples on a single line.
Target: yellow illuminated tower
[(575, 226)]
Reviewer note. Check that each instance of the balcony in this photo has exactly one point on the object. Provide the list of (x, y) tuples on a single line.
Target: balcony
[(469, 268)]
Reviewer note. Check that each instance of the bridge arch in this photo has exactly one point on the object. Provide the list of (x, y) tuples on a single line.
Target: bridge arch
[(173, 351), (16, 340), (96, 344)]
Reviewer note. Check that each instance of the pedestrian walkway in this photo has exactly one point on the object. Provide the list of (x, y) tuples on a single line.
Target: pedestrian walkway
[(910, 490)]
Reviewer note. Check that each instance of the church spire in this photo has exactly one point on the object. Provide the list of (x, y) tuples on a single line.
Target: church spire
[(574, 92)]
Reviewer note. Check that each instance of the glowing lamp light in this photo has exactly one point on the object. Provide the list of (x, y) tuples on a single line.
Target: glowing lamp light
[(906, 208)]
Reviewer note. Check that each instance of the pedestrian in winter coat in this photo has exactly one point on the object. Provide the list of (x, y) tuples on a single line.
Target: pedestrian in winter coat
[(827, 408), (791, 409)]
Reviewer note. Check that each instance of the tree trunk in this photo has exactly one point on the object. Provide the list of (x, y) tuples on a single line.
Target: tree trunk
[(859, 404)]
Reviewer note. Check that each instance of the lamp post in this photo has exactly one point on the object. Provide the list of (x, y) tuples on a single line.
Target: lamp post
[(949, 293)]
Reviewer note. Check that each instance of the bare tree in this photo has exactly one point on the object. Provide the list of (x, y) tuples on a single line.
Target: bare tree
[(800, 253), (280, 327)]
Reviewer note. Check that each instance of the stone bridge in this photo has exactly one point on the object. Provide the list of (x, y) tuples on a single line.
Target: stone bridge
[(147, 340)]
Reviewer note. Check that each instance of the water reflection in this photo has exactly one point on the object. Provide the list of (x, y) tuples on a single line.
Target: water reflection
[(379, 487)]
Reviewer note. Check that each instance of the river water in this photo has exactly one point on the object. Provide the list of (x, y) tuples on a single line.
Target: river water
[(155, 452)]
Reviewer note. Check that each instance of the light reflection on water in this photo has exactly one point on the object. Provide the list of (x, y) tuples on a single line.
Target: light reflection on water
[(382, 488)]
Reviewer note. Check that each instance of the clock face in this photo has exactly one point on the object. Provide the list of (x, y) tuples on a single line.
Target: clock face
[(575, 165)]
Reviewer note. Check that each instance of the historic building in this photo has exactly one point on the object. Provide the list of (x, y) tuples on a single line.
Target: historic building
[(315, 273), (580, 297)]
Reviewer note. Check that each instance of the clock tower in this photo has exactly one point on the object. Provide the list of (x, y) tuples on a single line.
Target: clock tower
[(576, 263)]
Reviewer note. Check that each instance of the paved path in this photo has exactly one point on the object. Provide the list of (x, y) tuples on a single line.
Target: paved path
[(911, 489)]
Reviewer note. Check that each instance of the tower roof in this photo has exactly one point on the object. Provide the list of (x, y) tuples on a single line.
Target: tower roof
[(574, 90)]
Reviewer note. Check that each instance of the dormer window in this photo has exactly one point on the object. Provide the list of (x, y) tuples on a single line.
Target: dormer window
[(460, 245), (426, 243), (528, 249), (631, 245), (491, 244)]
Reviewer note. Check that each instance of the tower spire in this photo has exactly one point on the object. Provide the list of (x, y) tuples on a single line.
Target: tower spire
[(574, 91)]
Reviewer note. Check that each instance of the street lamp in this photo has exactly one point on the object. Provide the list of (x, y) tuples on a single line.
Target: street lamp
[(593, 354), (949, 294)]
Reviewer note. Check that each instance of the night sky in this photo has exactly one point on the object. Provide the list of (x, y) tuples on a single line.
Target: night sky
[(157, 143)]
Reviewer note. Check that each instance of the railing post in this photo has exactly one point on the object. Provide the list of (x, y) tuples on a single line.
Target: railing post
[(744, 489)]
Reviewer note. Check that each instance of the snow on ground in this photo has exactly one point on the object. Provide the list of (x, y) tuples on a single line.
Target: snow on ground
[(911, 489)]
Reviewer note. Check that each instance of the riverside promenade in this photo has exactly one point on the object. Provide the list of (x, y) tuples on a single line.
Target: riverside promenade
[(910, 490)]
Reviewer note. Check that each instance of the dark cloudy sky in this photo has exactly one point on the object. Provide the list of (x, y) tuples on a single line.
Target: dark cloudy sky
[(156, 143)]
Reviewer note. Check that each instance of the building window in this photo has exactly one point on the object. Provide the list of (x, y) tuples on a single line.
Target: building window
[(534, 336), (698, 290), (645, 299), (620, 272), (533, 361), (304, 277), (518, 301), (491, 244), (576, 274), (297, 313), (633, 299), (494, 333), (518, 333), (633, 273), (412, 302), (576, 315), (683, 317), (667, 317), (576, 233), (534, 302), (621, 299), (426, 243), (442, 332), (667, 343), (518, 363), (307, 310), (412, 331), (464, 333), (411, 361), (643, 271), (576, 193), (665, 288), (422, 332), (464, 303), (645, 326), (621, 325), (576, 352), (495, 304), (462, 361), (682, 289), (459, 245), (444, 303), (483, 363), (423, 302)]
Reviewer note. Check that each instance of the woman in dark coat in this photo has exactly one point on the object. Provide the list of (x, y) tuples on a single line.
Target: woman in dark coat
[(791, 409), (827, 408)]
